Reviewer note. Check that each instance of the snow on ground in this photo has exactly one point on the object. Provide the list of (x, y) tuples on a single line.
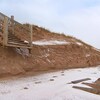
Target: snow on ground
[(50, 42), (87, 55), (50, 86), (79, 43)]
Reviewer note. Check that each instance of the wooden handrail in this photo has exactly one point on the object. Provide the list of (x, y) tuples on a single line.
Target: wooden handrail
[(15, 22)]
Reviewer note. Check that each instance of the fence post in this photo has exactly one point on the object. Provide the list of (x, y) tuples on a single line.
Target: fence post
[(5, 31), (31, 39), (12, 24), (31, 31)]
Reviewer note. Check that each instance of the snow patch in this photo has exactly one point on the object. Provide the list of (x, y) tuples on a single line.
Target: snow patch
[(26, 41), (87, 55), (49, 42), (79, 43)]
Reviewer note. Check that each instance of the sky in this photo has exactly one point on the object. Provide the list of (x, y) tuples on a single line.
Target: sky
[(78, 18)]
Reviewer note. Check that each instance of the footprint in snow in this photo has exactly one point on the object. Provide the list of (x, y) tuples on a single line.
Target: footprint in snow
[(25, 87), (54, 76), (51, 79), (94, 73), (38, 82), (62, 74)]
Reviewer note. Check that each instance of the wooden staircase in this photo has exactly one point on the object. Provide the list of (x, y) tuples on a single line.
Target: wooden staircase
[(14, 34), (16, 42)]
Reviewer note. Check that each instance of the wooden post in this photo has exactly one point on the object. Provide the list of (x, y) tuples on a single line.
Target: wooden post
[(12, 24), (31, 31), (5, 31), (31, 39)]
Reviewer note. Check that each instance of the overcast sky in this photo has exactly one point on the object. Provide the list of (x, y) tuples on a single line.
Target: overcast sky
[(79, 18)]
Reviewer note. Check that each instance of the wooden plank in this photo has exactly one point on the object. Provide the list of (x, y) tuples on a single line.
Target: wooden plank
[(11, 45), (81, 80), (93, 85), (19, 43), (91, 90)]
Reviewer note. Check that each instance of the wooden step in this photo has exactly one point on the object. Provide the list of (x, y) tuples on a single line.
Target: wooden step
[(20, 46), (15, 40), (18, 43)]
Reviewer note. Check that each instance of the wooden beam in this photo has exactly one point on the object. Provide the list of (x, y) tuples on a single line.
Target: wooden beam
[(80, 80)]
